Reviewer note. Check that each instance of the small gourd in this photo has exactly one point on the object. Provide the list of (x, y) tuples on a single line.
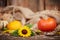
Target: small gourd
[(3, 24)]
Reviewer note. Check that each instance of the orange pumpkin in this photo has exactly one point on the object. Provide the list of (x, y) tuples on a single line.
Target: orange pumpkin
[(47, 25)]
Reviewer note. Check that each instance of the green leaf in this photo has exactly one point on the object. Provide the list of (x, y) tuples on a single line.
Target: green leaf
[(29, 25), (15, 33), (32, 33), (4, 29)]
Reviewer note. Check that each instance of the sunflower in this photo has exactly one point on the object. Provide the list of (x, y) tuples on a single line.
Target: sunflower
[(24, 31)]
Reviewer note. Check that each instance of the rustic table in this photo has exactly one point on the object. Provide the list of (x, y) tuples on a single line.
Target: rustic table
[(38, 37)]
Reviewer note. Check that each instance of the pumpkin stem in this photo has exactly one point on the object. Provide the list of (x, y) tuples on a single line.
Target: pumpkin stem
[(44, 17)]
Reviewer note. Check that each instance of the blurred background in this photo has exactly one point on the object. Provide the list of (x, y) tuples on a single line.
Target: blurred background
[(34, 5)]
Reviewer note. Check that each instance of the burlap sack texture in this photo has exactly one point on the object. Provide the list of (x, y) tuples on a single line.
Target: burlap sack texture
[(29, 15)]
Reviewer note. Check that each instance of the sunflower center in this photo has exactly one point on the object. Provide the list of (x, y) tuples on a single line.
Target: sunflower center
[(24, 31)]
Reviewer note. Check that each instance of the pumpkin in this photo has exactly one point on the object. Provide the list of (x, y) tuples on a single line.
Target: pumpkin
[(3, 24), (47, 25), (14, 25)]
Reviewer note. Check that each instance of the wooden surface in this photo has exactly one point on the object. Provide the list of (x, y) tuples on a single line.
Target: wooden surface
[(38, 37), (34, 5)]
